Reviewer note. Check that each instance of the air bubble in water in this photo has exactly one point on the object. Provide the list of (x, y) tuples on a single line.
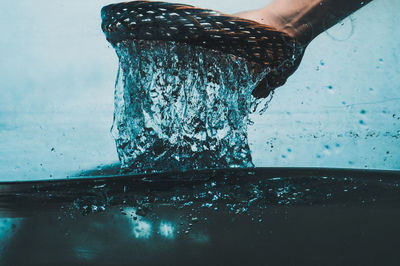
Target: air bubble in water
[(182, 107)]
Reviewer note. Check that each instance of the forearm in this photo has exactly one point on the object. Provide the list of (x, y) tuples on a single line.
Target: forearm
[(306, 19)]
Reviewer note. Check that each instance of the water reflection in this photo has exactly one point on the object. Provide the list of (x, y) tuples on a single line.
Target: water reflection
[(144, 220), (140, 227), (85, 253), (8, 227), (167, 230)]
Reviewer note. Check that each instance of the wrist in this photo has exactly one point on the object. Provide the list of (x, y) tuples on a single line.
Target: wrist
[(293, 18)]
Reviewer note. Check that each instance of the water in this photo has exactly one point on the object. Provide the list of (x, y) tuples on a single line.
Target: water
[(182, 107), (214, 217), (232, 216)]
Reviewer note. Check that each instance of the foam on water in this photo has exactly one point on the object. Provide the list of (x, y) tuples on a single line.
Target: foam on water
[(182, 107)]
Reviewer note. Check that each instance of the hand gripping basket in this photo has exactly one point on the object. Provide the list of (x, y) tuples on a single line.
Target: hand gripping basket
[(144, 20)]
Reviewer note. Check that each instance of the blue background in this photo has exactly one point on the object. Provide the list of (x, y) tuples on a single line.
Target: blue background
[(57, 75)]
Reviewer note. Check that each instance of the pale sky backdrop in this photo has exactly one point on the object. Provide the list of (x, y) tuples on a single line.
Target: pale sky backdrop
[(57, 73)]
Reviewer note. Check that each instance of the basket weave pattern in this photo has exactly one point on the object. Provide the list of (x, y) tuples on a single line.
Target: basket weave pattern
[(255, 42)]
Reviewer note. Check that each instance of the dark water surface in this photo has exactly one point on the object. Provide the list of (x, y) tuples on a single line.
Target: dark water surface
[(261, 216)]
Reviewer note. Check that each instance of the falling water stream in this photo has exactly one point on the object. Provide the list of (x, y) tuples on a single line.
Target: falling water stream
[(182, 107)]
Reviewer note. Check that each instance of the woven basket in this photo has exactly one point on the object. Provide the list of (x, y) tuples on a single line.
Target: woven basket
[(143, 20)]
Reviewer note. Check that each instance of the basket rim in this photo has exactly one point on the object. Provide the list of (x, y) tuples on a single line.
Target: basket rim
[(255, 42)]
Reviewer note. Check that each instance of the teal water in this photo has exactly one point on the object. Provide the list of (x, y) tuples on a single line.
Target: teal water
[(259, 216), (180, 107), (58, 80), (339, 110)]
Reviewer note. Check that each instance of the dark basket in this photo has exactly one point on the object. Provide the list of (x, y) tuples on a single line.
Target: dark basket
[(261, 44)]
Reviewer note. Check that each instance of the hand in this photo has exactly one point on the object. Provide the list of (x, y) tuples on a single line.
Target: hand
[(286, 66), (302, 20)]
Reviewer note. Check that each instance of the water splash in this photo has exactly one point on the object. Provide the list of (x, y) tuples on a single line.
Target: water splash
[(180, 107)]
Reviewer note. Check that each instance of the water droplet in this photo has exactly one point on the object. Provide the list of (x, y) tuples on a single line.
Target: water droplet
[(188, 203), (181, 125)]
